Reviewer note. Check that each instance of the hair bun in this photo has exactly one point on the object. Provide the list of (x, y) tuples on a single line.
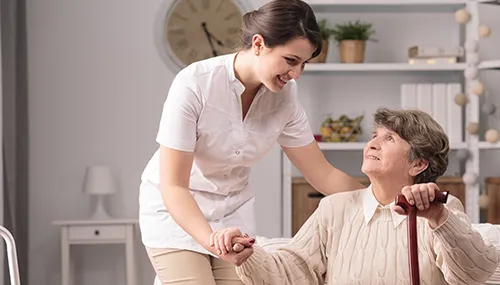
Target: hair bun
[(249, 17), (279, 21)]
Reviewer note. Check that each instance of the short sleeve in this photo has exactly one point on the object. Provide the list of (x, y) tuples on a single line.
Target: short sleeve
[(297, 131), (181, 109)]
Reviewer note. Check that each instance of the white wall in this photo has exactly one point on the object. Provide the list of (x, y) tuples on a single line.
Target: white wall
[(96, 88)]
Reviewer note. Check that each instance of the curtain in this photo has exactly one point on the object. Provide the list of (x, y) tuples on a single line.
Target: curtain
[(15, 128)]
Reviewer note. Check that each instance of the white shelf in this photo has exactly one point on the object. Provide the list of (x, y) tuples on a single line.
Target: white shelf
[(493, 2), (361, 145), (342, 146), (407, 6), (331, 67), (490, 64), (365, 3), (343, 67), (488, 145)]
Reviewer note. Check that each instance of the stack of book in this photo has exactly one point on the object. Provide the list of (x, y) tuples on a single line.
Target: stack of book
[(421, 55), (438, 100)]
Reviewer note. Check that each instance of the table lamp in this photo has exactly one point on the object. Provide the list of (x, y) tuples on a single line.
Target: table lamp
[(99, 181)]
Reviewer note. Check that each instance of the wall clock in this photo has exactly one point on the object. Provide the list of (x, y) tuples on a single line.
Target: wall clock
[(192, 30)]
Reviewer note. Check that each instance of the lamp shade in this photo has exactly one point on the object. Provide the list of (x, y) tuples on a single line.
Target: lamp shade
[(99, 180)]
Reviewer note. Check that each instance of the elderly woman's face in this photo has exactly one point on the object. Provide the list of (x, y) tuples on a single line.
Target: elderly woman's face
[(386, 154)]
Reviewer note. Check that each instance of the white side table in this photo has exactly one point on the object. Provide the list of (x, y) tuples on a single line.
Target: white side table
[(97, 232)]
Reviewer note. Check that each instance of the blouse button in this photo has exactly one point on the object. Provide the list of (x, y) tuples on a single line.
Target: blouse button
[(237, 152)]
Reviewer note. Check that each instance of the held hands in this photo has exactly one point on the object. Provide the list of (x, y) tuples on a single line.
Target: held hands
[(422, 195), (231, 245)]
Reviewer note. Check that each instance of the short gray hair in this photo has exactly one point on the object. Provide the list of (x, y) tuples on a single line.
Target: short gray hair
[(426, 138)]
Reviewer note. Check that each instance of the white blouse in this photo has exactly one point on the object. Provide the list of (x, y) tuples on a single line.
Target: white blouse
[(203, 114)]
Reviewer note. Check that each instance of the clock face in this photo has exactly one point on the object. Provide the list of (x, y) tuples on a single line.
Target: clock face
[(199, 29)]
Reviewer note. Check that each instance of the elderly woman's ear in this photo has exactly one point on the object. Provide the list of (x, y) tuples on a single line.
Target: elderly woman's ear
[(418, 166)]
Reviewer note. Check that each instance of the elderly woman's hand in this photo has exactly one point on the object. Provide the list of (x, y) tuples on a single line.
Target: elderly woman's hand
[(231, 246), (239, 255), (422, 195), (223, 241)]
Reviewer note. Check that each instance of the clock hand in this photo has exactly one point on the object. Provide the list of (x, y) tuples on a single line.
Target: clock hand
[(209, 38), (216, 40)]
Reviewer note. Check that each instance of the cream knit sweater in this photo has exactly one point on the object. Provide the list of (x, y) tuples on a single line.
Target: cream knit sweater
[(344, 243)]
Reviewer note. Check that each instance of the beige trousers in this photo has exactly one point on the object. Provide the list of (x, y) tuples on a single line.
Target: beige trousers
[(184, 267)]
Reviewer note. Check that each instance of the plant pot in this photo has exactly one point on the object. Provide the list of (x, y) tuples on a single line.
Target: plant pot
[(321, 58), (352, 51)]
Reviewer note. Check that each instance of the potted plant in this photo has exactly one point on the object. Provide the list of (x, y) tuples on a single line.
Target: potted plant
[(351, 38), (326, 33)]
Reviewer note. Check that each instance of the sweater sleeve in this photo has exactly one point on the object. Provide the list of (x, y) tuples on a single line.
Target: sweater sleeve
[(302, 261), (460, 251)]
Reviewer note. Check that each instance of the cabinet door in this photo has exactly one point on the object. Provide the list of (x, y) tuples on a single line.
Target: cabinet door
[(305, 200)]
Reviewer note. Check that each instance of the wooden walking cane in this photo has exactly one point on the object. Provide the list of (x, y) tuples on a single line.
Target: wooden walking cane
[(411, 211)]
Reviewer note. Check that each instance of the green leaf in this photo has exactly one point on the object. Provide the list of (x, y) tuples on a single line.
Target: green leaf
[(325, 32), (353, 31)]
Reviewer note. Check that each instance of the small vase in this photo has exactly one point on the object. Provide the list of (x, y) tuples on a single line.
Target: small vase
[(352, 51), (321, 58)]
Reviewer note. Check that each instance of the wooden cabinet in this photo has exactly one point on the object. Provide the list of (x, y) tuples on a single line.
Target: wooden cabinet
[(493, 192), (305, 198)]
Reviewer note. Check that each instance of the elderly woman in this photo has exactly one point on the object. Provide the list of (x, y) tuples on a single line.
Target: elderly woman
[(358, 237)]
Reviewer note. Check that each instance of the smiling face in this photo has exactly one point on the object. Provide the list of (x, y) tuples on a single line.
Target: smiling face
[(386, 156), (274, 67)]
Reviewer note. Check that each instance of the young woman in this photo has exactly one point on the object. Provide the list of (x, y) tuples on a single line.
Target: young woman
[(221, 115)]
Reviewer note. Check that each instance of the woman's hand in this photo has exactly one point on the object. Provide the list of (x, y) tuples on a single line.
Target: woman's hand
[(231, 246), (222, 241), (237, 258), (422, 196), (240, 253)]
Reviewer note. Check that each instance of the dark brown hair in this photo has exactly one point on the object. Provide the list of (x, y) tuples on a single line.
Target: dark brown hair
[(280, 21), (426, 138)]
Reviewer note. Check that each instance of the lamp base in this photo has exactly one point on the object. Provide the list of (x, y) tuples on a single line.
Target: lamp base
[(100, 213)]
